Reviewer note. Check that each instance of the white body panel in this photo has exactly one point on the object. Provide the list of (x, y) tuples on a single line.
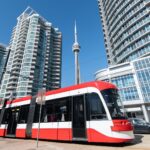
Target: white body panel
[(104, 127), (53, 125), (3, 126), (21, 126)]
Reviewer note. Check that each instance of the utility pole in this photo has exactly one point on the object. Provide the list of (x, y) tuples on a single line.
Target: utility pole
[(76, 50), (41, 101)]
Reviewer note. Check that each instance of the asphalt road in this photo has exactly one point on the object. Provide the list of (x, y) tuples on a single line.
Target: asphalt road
[(141, 142)]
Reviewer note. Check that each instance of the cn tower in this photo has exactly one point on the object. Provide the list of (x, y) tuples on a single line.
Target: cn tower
[(76, 49)]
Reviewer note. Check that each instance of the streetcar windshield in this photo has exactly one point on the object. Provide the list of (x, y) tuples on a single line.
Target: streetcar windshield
[(112, 100)]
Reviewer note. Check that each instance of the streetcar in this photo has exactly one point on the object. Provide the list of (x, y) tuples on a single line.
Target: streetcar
[(85, 112)]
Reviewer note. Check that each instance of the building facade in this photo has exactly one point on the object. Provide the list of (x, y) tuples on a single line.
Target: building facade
[(126, 28), (133, 82), (3, 57), (35, 57)]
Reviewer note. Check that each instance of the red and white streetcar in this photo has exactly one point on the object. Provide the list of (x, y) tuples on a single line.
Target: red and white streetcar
[(85, 112)]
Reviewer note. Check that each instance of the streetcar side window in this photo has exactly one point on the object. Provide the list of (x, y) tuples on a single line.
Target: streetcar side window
[(57, 110), (95, 107), (63, 110), (50, 112), (23, 114)]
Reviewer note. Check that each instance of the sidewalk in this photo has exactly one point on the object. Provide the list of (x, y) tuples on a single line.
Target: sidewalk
[(21, 144)]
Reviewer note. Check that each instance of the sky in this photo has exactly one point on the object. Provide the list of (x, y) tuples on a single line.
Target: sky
[(62, 14)]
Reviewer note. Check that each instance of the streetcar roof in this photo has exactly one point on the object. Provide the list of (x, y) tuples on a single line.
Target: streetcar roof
[(101, 85)]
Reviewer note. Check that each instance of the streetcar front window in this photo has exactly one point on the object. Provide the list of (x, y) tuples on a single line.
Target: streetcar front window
[(95, 109), (112, 99)]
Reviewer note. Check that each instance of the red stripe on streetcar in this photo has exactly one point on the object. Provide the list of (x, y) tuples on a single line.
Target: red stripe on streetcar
[(53, 134), (20, 133), (2, 132), (64, 134), (19, 100)]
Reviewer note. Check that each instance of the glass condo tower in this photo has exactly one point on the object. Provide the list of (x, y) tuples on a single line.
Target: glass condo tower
[(35, 57), (126, 28)]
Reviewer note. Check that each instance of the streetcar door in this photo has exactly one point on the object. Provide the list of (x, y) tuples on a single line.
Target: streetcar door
[(12, 122), (79, 119)]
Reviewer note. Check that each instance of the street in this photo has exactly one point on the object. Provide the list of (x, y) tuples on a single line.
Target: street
[(141, 142)]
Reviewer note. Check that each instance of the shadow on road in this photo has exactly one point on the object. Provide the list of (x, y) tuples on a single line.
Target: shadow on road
[(138, 139)]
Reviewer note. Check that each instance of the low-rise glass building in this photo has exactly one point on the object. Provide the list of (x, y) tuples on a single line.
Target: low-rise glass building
[(133, 81)]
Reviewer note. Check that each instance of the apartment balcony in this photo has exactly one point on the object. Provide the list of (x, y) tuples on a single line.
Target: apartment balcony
[(15, 72), (34, 58), (17, 62), (18, 55), (14, 77), (32, 71), (20, 44), (14, 68), (12, 82), (132, 42), (33, 63), (119, 29), (55, 79), (114, 20), (11, 87), (30, 86), (31, 76), (32, 67), (130, 33), (19, 50)]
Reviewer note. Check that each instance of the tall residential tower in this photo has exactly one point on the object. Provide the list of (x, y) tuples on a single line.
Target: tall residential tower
[(35, 57), (126, 28)]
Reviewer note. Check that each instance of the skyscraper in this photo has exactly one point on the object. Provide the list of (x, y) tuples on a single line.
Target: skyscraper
[(3, 56), (35, 57), (126, 27)]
